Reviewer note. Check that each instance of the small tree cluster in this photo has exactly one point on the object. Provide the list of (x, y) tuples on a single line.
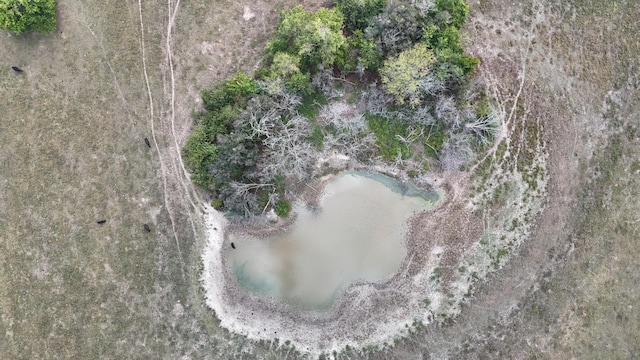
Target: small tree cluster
[(258, 135)]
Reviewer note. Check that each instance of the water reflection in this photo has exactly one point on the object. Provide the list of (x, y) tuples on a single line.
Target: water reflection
[(353, 233)]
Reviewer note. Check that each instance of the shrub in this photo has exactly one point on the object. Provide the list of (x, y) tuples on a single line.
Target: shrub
[(28, 15), (197, 153), (367, 54), (434, 141), (282, 207), (386, 131), (446, 42), (234, 91)]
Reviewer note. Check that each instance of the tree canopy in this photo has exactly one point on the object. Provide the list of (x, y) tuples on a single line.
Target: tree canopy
[(28, 15), (358, 13), (260, 137), (409, 76), (316, 37)]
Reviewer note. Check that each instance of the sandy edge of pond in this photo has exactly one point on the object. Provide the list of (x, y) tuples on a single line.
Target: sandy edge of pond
[(374, 313)]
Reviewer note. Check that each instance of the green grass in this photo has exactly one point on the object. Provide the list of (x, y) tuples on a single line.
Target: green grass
[(72, 153), (389, 146), (311, 105)]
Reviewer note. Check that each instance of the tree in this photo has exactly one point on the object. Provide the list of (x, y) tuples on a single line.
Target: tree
[(400, 25), (409, 76), (358, 13), (316, 37), (455, 11), (369, 57), (28, 15), (285, 69), (446, 42)]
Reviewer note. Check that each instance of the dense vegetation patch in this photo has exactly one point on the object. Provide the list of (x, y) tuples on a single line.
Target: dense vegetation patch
[(376, 83), (28, 15)]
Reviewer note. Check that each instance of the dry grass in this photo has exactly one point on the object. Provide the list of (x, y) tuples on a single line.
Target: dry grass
[(72, 152)]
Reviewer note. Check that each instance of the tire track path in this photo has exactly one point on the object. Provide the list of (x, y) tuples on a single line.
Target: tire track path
[(163, 166)]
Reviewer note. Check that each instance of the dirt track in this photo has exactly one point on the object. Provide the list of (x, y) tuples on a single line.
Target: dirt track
[(112, 74)]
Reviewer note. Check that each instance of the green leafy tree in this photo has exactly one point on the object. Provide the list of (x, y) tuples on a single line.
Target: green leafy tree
[(367, 53), (198, 153), (286, 68), (454, 11), (399, 26), (409, 75), (28, 15), (453, 63), (358, 13), (316, 37)]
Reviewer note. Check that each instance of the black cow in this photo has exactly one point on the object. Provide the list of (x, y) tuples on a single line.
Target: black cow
[(146, 141), (16, 69), (101, 221), (233, 245), (147, 228)]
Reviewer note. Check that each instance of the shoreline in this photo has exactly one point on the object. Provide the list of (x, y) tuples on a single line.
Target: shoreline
[(363, 313)]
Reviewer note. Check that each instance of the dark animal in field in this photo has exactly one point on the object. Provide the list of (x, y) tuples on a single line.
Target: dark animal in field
[(101, 221), (147, 228), (233, 245), (146, 141), (16, 69)]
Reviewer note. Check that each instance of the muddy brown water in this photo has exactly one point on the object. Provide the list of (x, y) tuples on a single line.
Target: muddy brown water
[(357, 235)]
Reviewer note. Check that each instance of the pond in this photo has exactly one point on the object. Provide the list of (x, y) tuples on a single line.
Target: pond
[(357, 234)]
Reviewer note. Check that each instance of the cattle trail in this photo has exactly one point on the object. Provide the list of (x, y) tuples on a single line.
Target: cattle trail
[(163, 167)]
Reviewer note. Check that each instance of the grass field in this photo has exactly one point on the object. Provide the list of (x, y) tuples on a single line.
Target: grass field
[(72, 152)]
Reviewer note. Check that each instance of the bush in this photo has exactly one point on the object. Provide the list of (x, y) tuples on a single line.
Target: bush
[(286, 68), (453, 63), (389, 145), (234, 91), (434, 141), (282, 207), (311, 104), (28, 15), (198, 153)]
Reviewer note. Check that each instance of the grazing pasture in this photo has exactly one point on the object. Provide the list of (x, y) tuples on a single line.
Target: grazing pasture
[(76, 103)]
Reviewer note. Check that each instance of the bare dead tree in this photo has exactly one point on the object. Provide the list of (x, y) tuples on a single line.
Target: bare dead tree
[(484, 127), (422, 116), (287, 150), (242, 189), (324, 81), (446, 112), (456, 151)]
